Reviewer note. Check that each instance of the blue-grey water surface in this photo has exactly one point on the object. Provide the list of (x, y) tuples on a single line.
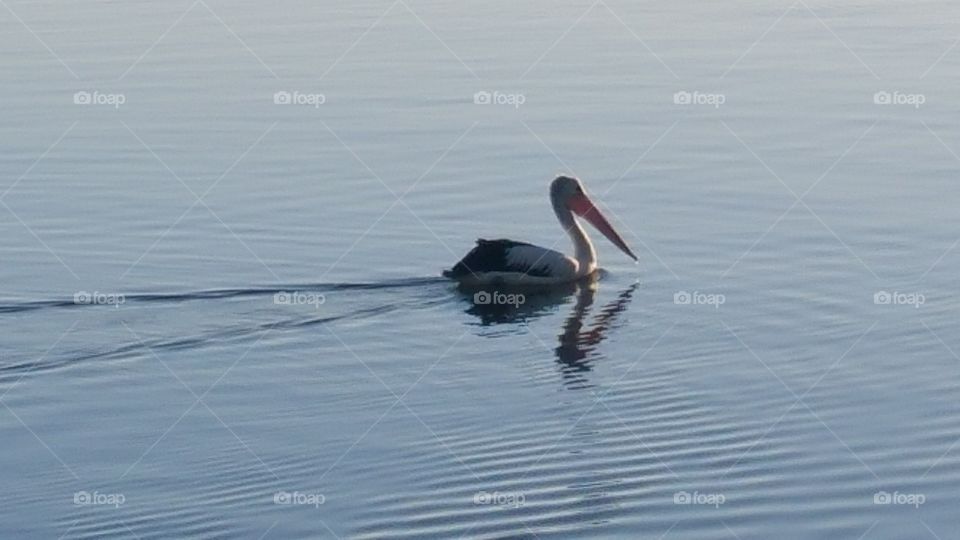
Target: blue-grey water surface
[(222, 316)]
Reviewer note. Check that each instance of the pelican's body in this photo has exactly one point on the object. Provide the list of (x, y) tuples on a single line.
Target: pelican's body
[(518, 263), (511, 262)]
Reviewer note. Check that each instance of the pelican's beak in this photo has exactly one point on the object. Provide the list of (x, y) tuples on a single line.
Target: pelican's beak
[(584, 207)]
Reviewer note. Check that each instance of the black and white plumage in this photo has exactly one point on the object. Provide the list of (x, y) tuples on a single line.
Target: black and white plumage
[(519, 263), (502, 259)]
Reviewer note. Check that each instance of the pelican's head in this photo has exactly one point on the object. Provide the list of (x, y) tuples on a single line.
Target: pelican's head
[(566, 192)]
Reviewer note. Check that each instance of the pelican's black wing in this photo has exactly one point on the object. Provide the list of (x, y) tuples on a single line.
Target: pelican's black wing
[(490, 256)]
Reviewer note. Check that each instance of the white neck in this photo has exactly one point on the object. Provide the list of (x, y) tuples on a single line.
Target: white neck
[(582, 247)]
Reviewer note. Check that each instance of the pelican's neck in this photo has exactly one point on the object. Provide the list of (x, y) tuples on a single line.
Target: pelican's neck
[(583, 250)]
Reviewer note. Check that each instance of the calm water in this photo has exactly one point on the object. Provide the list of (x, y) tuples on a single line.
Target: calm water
[(781, 363)]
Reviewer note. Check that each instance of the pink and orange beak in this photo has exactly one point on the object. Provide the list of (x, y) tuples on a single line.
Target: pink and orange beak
[(584, 207)]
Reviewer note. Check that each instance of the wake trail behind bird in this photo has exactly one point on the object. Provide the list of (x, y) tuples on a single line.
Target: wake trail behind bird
[(208, 294), (141, 344)]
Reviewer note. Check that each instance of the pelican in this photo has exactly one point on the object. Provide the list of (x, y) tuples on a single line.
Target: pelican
[(510, 262)]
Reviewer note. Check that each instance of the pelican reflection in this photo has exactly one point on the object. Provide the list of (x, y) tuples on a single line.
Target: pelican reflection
[(579, 341), (579, 337)]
